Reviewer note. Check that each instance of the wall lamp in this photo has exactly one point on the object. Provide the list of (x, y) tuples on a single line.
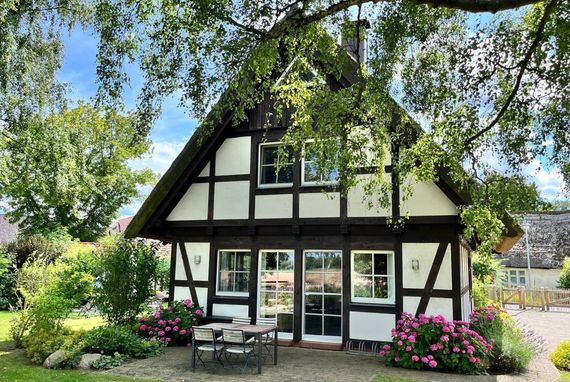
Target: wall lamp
[(415, 264)]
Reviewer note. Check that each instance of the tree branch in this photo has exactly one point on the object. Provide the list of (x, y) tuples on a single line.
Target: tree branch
[(522, 65)]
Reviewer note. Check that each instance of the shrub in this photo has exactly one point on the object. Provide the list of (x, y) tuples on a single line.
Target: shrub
[(8, 298), (112, 339), (40, 344), (126, 274), (109, 361), (561, 355), (511, 351), (437, 344), (25, 248), (564, 281), (480, 295), (173, 324)]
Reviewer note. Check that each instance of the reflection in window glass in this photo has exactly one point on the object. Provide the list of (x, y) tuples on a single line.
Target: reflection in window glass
[(273, 168), (276, 286)]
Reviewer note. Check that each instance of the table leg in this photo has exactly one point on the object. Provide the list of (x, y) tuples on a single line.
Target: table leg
[(259, 353), (193, 354), (275, 347)]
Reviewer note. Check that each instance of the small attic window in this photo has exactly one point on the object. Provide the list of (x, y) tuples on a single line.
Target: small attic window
[(307, 74), (274, 170)]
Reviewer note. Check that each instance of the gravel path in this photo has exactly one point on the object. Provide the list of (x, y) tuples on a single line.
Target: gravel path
[(552, 327)]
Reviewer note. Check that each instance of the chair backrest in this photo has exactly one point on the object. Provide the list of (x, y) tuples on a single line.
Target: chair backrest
[(267, 321), (233, 336), (203, 334), (241, 320)]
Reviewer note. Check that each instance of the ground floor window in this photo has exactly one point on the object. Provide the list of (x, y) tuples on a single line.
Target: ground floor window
[(233, 272), (516, 278), (277, 287), (372, 276)]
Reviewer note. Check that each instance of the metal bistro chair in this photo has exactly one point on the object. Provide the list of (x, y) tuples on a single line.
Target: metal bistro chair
[(205, 341), (243, 321), (267, 339), (235, 343)]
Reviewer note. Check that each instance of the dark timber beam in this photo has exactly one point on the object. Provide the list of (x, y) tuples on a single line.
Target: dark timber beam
[(432, 277), (188, 271)]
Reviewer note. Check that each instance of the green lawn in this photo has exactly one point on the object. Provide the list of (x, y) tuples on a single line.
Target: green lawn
[(564, 376), (14, 367)]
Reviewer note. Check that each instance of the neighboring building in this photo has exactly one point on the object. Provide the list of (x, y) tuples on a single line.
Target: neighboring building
[(250, 244), (8, 231), (121, 225), (548, 235)]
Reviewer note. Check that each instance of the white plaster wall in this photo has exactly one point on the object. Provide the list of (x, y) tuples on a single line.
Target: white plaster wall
[(230, 310), (426, 200), (464, 264), (199, 271), (425, 254), (205, 171), (231, 200), (436, 305), (193, 205), (357, 200), (466, 306), (233, 156), (274, 206), (319, 205), (371, 326), (182, 293)]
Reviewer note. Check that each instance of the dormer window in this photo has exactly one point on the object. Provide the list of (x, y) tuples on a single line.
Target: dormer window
[(275, 168)]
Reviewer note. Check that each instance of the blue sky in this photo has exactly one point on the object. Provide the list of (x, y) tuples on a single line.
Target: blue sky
[(175, 127)]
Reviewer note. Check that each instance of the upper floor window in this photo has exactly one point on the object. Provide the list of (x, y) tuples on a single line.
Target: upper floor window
[(310, 175), (233, 272), (275, 169), (373, 277)]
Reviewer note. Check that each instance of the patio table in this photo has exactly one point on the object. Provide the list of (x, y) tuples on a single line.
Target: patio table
[(249, 330)]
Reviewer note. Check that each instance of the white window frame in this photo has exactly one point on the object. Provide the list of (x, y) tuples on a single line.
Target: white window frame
[(519, 273), (313, 183), (260, 252), (391, 278), (226, 293), (260, 166)]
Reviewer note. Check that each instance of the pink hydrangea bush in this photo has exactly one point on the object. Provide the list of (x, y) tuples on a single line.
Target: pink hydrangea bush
[(434, 343), (171, 325)]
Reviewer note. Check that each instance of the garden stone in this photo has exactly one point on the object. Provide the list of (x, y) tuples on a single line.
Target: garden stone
[(87, 359), (54, 359)]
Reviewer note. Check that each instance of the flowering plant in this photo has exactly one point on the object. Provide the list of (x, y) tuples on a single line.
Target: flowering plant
[(171, 325), (434, 343)]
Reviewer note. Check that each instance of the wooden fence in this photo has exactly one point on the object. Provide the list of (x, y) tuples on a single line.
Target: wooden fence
[(542, 298)]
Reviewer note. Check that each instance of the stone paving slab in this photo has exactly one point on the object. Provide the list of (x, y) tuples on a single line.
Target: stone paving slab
[(297, 364)]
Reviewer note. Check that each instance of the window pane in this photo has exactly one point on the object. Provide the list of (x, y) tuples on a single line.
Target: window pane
[(285, 322), (286, 261), (284, 303), (310, 174), (268, 281), (268, 261), (242, 261), (380, 287), (225, 282), (268, 154), (362, 286), (285, 174), (313, 261), (267, 304), (313, 282), (380, 264), (286, 281), (226, 260), (332, 326), (332, 262), (313, 324), (314, 303), (268, 175), (333, 282), (241, 281), (363, 263), (332, 305)]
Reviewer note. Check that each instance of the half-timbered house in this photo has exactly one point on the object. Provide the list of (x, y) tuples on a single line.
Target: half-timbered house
[(250, 241)]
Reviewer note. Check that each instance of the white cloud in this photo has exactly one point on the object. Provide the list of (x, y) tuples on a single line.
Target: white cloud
[(550, 182)]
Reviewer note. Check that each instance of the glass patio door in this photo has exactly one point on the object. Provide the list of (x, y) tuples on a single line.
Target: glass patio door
[(322, 295), (276, 288)]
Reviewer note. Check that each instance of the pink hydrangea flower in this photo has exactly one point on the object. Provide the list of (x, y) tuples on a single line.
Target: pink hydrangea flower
[(425, 359), (199, 312), (175, 329), (408, 348), (161, 322), (382, 353), (456, 349), (168, 339), (415, 358), (396, 359), (432, 364), (161, 333), (177, 319), (400, 343), (445, 338), (183, 332)]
